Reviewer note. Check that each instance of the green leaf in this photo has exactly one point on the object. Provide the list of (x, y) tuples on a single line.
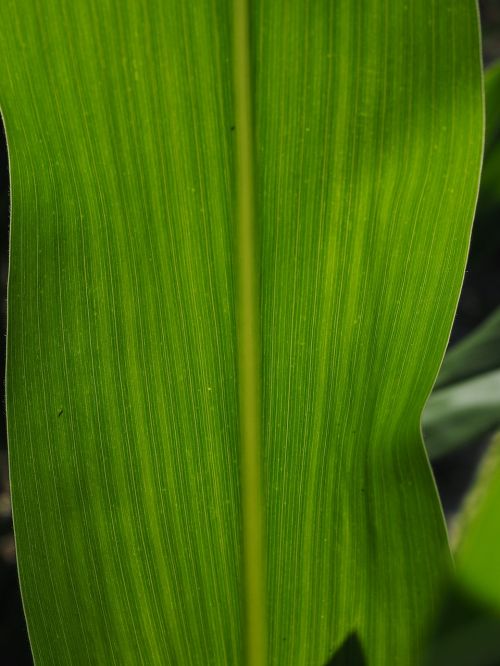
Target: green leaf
[(238, 238), (469, 408), (477, 534), (465, 402), (461, 413), (477, 353), (468, 630), (467, 633)]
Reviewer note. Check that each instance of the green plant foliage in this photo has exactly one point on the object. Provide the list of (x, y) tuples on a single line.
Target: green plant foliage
[(476, 354), (467, 633), (469, 406), (478, 535), (468, 630), (223, 328), (461, 413)]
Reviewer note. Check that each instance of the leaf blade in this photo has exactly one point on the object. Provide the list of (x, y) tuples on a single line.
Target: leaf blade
[(136, 389), (345, 310), (132, 230)]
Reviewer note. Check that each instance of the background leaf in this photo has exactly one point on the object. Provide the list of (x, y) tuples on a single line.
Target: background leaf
[(468, 631), (461, 413), (123, 377), (478, 353), (477, 532)]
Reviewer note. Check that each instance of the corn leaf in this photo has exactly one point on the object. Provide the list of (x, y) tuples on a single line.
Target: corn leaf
[(461, 413), (467, 634), (238, 237), (477, 533), (468, 631), (476, 354), (465, 402), (469, 406)]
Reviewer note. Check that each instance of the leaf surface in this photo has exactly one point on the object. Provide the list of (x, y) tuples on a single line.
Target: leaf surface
[(134, 383)]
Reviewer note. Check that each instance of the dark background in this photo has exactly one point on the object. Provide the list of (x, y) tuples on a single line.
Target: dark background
[(480, 296)]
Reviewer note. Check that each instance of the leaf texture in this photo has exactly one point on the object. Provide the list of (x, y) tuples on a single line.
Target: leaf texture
[(125, 384)]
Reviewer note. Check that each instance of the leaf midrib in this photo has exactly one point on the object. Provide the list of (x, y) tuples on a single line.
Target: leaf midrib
[(249, 348)]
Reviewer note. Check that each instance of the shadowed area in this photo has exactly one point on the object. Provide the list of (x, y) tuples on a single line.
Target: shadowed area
[(350, 653), (466, 633)]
